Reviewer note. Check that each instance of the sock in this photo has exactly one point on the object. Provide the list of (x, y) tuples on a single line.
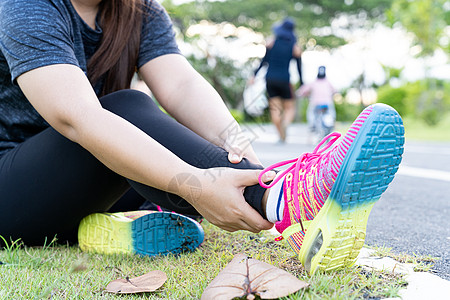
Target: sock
[(275, 203)]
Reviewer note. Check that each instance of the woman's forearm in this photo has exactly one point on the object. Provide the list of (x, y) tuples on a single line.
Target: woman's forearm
[(189, 98), (127, 150)]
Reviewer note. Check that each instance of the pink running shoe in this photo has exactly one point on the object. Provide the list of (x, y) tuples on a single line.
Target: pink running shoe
[(328, 195)]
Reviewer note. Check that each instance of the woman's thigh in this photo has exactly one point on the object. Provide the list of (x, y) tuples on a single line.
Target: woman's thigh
[(48, 184)]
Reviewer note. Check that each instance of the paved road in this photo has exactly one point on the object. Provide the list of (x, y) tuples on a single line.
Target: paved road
[(413, 215)]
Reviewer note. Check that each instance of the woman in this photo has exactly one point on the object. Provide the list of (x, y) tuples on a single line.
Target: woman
[(48, 49), (74, 139), (279, 54)]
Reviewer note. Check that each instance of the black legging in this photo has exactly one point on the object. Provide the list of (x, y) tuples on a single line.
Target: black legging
[(49, 183)]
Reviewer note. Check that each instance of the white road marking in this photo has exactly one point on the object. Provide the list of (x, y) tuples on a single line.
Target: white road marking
[(424, 173), (427, 150)]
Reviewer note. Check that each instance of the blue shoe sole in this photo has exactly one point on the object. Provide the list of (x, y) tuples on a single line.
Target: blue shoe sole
[(164, 233), (372, 160)]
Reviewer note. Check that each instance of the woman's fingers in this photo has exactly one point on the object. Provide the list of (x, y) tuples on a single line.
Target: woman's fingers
[(235, 154), (223, 203), (250, 177), (248, 224)]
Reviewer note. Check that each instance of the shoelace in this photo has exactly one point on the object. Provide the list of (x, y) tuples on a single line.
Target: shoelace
[(305, 161)]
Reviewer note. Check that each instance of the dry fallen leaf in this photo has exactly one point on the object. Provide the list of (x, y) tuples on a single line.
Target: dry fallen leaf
[(149, 282), (248, 277)]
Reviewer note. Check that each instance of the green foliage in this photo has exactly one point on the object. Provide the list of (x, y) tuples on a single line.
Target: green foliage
[(313, 19), (413, 91), (226, 79), (264, 118), (428, 100), (237, 115), (426, 19), (302, 110), (261, 14), (394, 97), (11, 250), (346, 112), (432, 105), (392, 72)]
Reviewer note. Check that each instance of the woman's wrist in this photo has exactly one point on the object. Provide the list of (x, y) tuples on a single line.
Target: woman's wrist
[(189, 184)]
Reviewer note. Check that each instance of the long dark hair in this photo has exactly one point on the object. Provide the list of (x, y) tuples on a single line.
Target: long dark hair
[(116, 57)]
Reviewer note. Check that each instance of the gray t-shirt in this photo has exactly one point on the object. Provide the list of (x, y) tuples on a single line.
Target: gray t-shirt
[(37, 33)]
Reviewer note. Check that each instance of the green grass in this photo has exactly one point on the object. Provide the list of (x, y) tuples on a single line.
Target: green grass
[(416, 129), (63, 272), (422, 263)]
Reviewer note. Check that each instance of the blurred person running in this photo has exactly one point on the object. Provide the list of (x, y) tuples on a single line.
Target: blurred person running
[(279, 54)]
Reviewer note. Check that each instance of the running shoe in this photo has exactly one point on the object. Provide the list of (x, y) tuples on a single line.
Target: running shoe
[(328, 194), (143, 232)]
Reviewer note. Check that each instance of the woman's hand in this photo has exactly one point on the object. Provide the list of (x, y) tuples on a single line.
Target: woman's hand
[(220, 198), (239, 146)]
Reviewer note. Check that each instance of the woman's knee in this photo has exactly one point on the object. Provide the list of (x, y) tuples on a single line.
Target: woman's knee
[(126, 102)]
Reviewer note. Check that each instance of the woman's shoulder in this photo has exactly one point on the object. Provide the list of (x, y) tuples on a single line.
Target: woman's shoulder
[(154, 14), (34, 15), (151, 7), (31, 9), (30, 4)]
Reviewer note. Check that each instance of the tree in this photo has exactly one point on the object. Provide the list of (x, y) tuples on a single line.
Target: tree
[(259, 15), (316, 27), (426, 19)]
